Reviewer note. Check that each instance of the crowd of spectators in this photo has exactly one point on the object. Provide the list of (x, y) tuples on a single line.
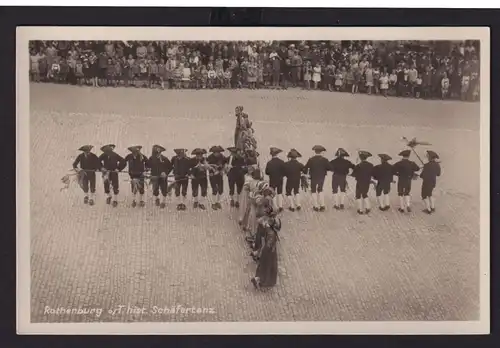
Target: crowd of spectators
[(430, 69)]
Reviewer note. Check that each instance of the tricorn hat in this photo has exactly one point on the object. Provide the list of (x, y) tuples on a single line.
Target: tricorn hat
[(216, 148), (364, 154), (384, 157), (86, 148), (432, 154), (274, 151), (293, 154), (180, 151), (109, 147), (158, 148), (318, 148), (405, 153), (341, 153), (135, 148), (198, 151), (232, 149)]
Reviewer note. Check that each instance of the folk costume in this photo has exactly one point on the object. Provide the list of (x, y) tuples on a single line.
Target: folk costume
[(383, 174), (405, 171), (160, 169), (266, 275), (430, 172), (217, 161), (293, 171), (199, 177), (247, 218), (236, 170), (317, 167), (340, 166), (88, 164), (363, 173), (111, 163), (137, 166), (275, 169), (182, 167)]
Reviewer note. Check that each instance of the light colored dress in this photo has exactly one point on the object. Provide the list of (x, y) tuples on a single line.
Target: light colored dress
[(369, 77), (384, 82), (316, 74)]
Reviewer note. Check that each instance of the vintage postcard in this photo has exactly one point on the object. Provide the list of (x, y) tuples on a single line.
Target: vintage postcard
[(253, 180)]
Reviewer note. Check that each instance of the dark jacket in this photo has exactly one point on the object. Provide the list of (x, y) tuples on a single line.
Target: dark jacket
[(112, 161), (317, 166), (87, 162), (182, 166), (293, 170), (159, 165), (341, 166), (136, 164), (275, 169), (430, 172), (383, 173), (363, 172), (405, 169)]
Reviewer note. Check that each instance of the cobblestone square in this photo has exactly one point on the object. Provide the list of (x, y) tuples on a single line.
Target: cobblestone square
[(334, 266)]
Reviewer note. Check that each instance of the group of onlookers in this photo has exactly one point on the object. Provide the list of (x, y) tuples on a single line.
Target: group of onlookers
[(380, 67)]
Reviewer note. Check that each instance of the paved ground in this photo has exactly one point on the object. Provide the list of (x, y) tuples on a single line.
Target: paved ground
[(333, 266)]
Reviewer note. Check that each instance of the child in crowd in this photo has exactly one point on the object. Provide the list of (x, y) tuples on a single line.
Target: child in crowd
[(445, 85), (384, 83), (418, 86)]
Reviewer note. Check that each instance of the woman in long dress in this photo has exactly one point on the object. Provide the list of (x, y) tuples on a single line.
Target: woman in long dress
[(247, 209), (266, 275)]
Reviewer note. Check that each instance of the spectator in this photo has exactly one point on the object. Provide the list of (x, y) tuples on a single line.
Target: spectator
[(445, 85), (316, 75), (384, 83), (369, 78), (308, 75)]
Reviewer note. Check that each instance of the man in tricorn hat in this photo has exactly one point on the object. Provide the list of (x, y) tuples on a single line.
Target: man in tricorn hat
[(276, 172), (89, 164), (293, 171), (137, 166), (182, 168), (199, 178), (317, 167), (405, 171), (236, 175), (430, 172), (217, 162), (340, 167), (160, 168), (363, 174), (382, 173), (111, 164)]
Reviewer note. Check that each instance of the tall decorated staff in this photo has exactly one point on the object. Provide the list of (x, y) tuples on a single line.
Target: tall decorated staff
[(137, 167), (413, 143), (85, 165), (111, 164)]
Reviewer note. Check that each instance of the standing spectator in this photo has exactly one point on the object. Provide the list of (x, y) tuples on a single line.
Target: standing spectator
[(412, 77), (110, 72), (316, 75), (418, 86), (252, 74), (50, 53), (276, 68), (204, 76), (369, 78), (307, 75), (286, 75), (426, 83), (141, 51), (376, 77), (465, 87), (80, 77), (339, 79), (103, 67), (445, 85), (349, 80), (357, 79), (212, 76), (296, 68), (329, 75), (153, 73), (118, 76), (393, 82), (35, 66), (109, 48), (186, 76), (64, 72), (384, 83), (260, 72)]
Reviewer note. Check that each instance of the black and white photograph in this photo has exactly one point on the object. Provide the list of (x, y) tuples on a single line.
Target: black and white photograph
[(253, 180)]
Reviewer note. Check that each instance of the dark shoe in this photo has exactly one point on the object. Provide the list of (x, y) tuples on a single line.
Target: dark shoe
[(134, 204), (381, 208), (215, 206), (162, 205), (91, 202), (367, 211), (299, 208), (86, 200), (387, 207), (115, 204), (179, 206), (360, 212), (183, 206), (157, 202), (108, 200), (237, 204), (201, 206), (142, 204), (195, 205), (231, 203), (336, 207), (291, 209), (433, 210), (219, 206), (341, 207), (280, 210), (322, 209), (429, 212), (408, 210), (401, 210), (315, 208)]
